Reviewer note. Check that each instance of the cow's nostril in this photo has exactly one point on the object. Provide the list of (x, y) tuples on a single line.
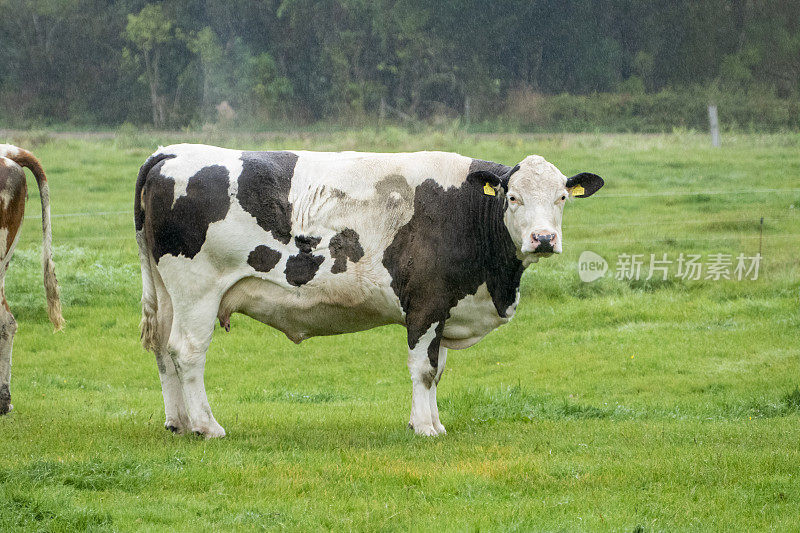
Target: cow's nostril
[(543, 242)]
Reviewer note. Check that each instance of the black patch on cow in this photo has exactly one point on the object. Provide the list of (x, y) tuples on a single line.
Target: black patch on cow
[(344, 245), (264, 190), (306, 244), (478, 165), (429, 378), (5, 399), (502, 172), (301, 268), (263, 258), (144, 172), (455, 241), (181, 230)]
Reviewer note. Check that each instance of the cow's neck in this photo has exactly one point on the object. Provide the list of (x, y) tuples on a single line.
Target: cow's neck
[(502, 268)]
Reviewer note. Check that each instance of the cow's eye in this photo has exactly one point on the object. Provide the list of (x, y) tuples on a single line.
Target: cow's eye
[(563, 197), (512, 198)]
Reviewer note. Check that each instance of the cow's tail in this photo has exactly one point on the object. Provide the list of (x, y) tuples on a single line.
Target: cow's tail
[(26, 159), (149, 326)]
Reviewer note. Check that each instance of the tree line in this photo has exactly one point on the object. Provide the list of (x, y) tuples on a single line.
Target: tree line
[(173, 63)]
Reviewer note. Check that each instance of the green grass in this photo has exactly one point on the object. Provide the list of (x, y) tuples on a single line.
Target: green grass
[(649, 405)]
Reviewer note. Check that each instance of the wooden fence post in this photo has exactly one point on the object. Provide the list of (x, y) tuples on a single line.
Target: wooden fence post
[(714, 125)]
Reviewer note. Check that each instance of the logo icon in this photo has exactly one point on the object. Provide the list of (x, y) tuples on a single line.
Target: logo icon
[(591, 266)]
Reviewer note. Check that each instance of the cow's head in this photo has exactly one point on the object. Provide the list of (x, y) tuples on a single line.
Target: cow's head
[(536, 192)]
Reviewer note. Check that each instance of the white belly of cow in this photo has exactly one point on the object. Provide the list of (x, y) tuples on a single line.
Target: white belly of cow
[(304, 312), (313, 310), (473, 318)]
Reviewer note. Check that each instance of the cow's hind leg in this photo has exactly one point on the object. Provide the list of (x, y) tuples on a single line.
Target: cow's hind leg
[(423, 354), (192, 327), (8, 326), (176, 417)]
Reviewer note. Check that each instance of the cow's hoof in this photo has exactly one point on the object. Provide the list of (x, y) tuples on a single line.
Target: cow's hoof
[(211, 432), (5, 409), (176, 424), (426, 430), (439, 429)]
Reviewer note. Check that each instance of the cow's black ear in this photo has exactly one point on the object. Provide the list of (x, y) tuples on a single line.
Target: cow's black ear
[(584, 184), (489, 182)]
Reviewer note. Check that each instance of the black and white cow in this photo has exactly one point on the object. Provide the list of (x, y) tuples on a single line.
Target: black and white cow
[(316, 243)]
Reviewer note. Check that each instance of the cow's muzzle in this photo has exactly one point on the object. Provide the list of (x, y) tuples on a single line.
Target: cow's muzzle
[(543, 243)]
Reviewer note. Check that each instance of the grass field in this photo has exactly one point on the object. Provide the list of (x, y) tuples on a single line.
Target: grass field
[(612, 405)]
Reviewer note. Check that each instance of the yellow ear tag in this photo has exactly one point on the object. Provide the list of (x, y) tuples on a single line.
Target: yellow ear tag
[(488, 190), (577, 190)]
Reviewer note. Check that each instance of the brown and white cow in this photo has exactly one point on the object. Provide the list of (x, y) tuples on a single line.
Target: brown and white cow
[(316, 243), (13, 192)]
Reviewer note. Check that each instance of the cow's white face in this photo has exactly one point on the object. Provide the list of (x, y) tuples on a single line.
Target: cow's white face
[(536, 195)]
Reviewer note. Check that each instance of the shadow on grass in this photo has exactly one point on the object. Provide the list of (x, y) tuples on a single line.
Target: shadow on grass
[(325, 421), (788, 404), (514, 403), (96, 475), (291, 397), (29, 508)]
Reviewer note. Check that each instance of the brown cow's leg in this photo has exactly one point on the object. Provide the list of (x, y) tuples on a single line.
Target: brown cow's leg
[(8, 326), (12, 210)]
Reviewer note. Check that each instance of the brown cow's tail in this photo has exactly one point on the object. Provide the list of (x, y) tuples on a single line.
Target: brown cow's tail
[(26, 159)]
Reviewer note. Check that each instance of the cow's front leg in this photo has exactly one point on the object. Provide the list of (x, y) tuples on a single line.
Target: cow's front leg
[(437, 424), (423, 359), (187, 347)]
